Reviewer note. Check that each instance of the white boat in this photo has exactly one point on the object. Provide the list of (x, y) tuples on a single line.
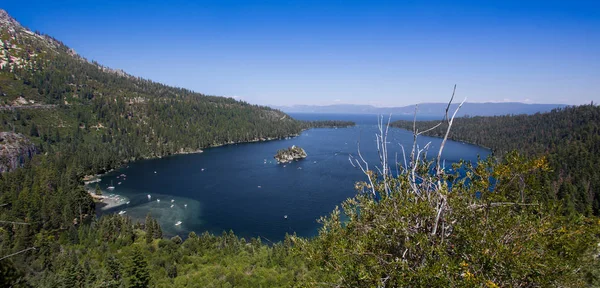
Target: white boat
[(119, 183), (158, 200), (172, 200), (154, 172), (259, 186), (172, 205), (122, 212), (149, 197), (111, 187), (202, 169), (185, 205), (128, 202), (284, 216), (178, 223)]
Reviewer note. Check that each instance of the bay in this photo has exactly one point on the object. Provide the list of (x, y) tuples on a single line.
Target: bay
[(240, 187)]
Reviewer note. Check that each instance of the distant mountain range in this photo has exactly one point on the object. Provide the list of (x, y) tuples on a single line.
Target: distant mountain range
[(427, 109)]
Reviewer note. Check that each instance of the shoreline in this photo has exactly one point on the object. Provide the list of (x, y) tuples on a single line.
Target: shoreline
[(257, 140), (449, 138), (89, 179), (106, 202)]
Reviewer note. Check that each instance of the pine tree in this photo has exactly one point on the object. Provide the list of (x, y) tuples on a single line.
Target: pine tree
[(158, 234), (139, 275), (176, 239), (9, 275), (114, 270), (149, 228), (34, 131)]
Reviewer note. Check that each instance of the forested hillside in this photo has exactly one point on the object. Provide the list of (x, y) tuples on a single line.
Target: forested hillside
[(569, 137), (84, 118)]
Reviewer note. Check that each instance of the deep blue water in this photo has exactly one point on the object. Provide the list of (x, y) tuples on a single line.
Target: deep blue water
[(232, 188)]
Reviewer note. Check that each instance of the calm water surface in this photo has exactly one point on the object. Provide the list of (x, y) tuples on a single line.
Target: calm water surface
[(241, 188)]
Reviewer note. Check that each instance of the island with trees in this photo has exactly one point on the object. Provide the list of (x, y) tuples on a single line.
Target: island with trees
[(290, 154)]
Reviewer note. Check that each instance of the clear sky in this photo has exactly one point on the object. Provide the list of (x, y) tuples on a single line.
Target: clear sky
[(383, 53)]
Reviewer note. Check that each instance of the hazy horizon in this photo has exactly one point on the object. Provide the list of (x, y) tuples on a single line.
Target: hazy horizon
[(379, 53), (455, 102)]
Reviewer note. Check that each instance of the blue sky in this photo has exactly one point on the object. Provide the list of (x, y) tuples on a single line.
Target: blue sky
[(383, 53)]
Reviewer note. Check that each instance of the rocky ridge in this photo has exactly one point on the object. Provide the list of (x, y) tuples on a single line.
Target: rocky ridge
[(6, 20), (14, 40)]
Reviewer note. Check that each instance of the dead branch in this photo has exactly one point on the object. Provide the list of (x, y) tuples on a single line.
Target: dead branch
[(19, 252), (11, 222), (497, 204), (364, 169), (451, 99), (438, 170)]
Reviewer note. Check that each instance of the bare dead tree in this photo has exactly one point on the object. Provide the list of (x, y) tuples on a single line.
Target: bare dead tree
[(381, 140), (439, 171), (429, 188), (382, 152)]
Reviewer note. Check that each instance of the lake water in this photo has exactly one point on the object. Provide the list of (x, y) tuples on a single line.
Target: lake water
[(234, 188)]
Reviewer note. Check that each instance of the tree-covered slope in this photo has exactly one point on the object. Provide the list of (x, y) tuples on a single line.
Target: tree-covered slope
[(37, 69), (84, 118), (570, 137)]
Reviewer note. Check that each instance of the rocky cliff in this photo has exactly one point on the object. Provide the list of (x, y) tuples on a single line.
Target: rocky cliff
[(15, 149)]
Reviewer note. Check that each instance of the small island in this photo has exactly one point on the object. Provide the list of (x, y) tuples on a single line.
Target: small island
[(290, 154)]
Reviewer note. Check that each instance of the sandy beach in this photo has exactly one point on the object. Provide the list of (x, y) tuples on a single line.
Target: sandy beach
[(107, 201)]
